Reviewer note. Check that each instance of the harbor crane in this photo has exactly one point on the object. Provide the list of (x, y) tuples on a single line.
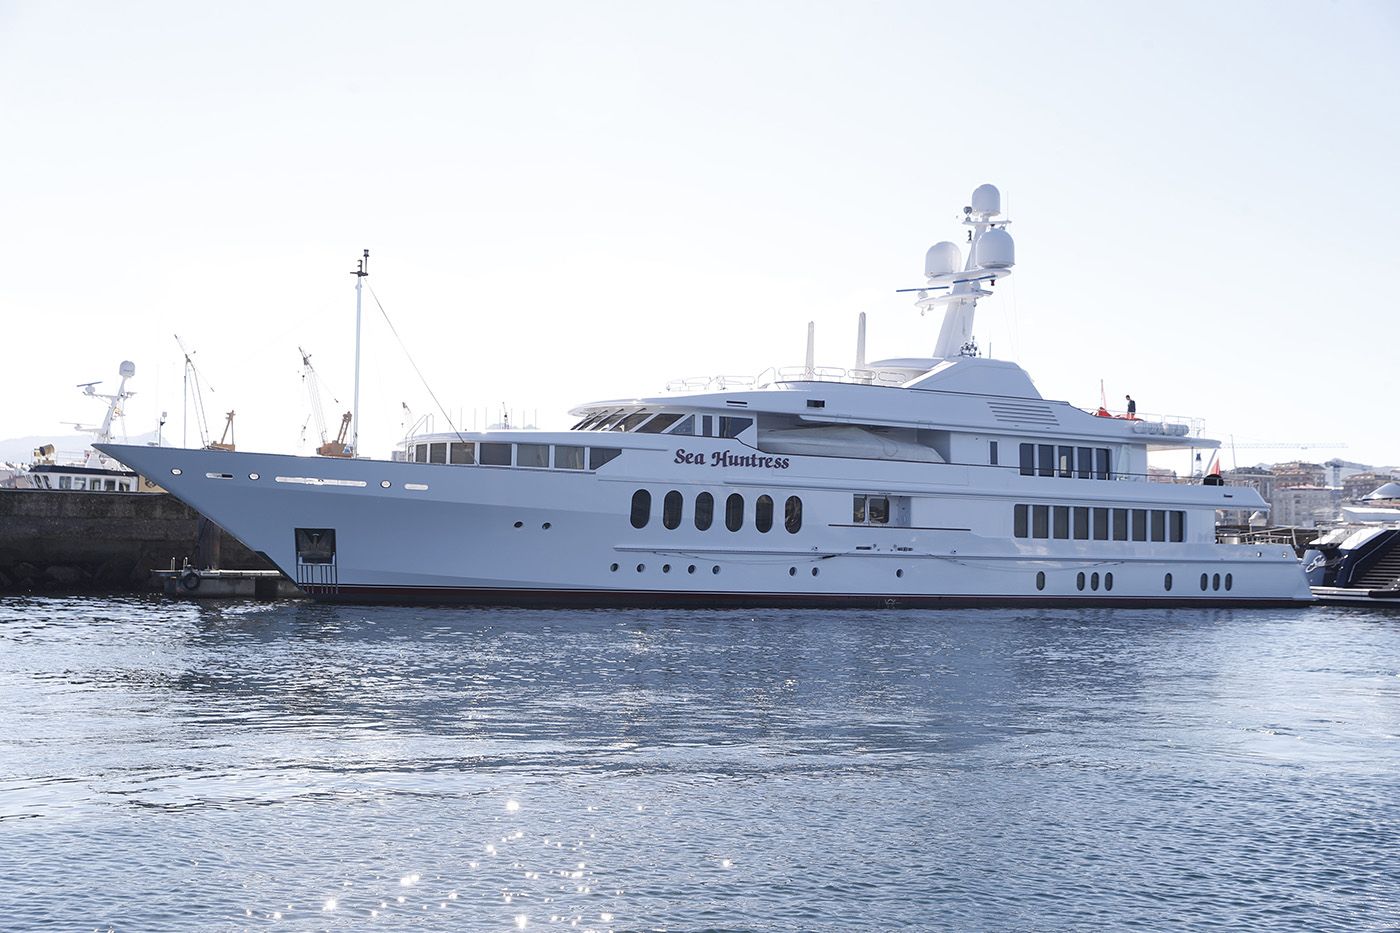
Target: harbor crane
[(328, 448)]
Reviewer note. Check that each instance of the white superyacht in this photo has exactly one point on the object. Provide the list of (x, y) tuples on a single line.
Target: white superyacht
[(914, 482)]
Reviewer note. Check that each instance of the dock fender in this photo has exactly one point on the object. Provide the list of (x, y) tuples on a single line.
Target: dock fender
[(189, 580)]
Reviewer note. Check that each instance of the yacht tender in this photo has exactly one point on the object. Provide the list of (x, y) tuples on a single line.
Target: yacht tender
[(942, 481)]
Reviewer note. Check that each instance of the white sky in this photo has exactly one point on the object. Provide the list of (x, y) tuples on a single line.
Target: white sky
[(570, 201)]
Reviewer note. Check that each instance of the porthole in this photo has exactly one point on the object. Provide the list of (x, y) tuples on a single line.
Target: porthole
[(519, 524), (671, 510), (665, 568), (613, 568), (641, 567), (763, 514), (1229, 581), (704, 511), (734, 512), (176, 471), (1167, 583), (546, 525), (690, 569), (1215, 582), (1079, 581), (384, 483), (792, 515), (1205, 581), (899, 572), (253, 477), (1093, 581), (1108, 581), (715, 569), (1040, 580), (792, 571), (815, 571)]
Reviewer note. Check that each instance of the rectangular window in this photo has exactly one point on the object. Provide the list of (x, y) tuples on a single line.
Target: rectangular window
[(1027, 459), (1120, 524), (1101, 464), (437, 453), (532, 455), (1062, 521), (1085, 463), (1066, 461), (597, 456), (1178, 526), (1023, 521), (686, 426), (878, 508), (733, 427), (568, 458), (858, 510), (707, 426), (495, 454), (420, 453), (1159, 525), (1040, 521), (65, 482), (1139, 524), (1047, 459), (992, 452), (463, 453), (1081, 522), (1100, 524)]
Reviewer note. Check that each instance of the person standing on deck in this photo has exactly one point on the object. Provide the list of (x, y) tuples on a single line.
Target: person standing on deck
[(1132, 406)]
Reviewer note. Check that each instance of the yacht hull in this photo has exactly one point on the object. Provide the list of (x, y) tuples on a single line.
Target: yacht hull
[(437, 533)]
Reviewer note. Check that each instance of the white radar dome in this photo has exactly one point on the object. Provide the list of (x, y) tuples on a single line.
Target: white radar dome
[(986, 200), (995, 250), (942, 258), (128, 369)]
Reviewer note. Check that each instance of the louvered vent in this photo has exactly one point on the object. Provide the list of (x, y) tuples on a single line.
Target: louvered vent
[(1023, 412)]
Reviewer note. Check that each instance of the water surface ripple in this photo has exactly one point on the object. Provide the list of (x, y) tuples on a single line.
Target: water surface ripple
[(168, 766)]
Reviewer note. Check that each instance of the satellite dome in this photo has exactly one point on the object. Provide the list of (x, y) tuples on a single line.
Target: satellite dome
[(942, 258), (986, 200), (128, 369), (995, 249)]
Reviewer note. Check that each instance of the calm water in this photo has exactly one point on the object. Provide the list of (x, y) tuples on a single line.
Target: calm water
[(178, 767)]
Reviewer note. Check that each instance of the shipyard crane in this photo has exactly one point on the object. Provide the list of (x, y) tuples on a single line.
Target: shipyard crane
[(328, 447), (225, 441)]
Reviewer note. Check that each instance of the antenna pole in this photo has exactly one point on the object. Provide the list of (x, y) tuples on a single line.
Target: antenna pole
[(359, 274)]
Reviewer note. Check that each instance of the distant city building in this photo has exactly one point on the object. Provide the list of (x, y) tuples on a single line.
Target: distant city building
[(1255, 477), (1299, 473), (1303, 506), (1360, 484)]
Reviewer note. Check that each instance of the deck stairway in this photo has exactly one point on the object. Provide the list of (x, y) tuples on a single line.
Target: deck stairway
[(1384, 574)]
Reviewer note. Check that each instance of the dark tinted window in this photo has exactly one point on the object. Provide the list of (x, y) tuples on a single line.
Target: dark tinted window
[(1081, 522), (641, 508), (1139, 524), (1084, 464), (1100, 524), (734, 512), (463, 453), (1022, 523), (532, 455), (437, 453), (1062, 521), (658, 424), (597, 456), (568, 458), (1027, 459), (1101, 470), (792, 515), (1159, 525), (1066, 461), (733, 427), (1047, 459), (992, 452), (1040, 521), (1178, 526), (1120, 524), (763, 514), (704, 511), (495, 454), (671, 509)]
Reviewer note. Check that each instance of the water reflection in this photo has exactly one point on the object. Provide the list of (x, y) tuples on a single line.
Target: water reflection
[(178, 765)]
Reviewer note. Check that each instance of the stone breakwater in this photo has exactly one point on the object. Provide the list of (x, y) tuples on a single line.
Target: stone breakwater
[(56, 541)]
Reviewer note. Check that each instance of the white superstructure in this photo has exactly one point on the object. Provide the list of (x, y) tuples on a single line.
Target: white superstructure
[(934, 481)]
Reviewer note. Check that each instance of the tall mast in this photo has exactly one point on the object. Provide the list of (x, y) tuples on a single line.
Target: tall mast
[(359, 274)]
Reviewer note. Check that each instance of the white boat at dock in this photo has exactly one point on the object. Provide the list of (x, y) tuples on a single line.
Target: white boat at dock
[(932, 481)]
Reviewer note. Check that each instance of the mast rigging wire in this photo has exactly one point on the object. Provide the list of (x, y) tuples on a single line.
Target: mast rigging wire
[(404, 347)]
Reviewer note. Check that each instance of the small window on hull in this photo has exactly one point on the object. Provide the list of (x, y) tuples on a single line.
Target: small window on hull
[(641, 508), (734, 512), (763, 514), (704, 511)]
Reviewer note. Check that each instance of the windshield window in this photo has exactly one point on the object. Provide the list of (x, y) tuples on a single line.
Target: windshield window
[(658, 424)]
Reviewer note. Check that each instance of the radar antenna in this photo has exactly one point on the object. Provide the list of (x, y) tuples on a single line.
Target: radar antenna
[(990, 256)]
